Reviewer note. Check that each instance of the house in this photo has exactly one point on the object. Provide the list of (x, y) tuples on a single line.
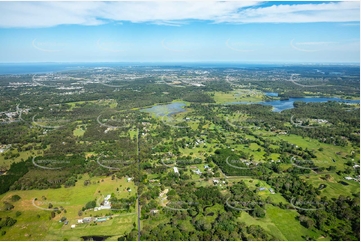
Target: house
[(262, 188), (129, 179), (154, 211), (175, 170), (272, 191), (80, 221), (198, 172), (348, 178), (72, 226), (215, 181), (106, 204), (87, 220), (206, 167)]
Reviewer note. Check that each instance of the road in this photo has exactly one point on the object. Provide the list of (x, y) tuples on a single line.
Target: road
[(298, 84), (139, 181)]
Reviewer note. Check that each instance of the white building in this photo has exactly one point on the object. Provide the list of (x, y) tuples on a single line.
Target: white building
[(175, 170), (107, 204)]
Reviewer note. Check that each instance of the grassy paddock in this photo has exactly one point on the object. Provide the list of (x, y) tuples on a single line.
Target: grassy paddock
[(34, 223)]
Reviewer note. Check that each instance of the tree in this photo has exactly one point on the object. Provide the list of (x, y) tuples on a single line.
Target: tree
[(15, 198), (258, 212), (8, 206)]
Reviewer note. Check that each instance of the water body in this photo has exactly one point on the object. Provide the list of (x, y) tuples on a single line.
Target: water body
[(35, 68), (166, 110), (51, 67), (271, 94), (280, 105)]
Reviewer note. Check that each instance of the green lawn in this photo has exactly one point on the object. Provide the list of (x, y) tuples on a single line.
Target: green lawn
[(79, 131)]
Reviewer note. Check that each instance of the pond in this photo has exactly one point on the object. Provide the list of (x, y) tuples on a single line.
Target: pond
[(166, 110), (271, 94)]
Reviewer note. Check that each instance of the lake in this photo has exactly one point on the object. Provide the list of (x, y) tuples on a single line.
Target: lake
[(280, 105)]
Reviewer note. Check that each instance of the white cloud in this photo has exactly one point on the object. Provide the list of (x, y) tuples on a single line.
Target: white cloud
[(298, 13), (48, 14), (349, 44)]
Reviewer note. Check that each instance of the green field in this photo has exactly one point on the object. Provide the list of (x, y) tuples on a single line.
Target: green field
[(238, 95), (281, 223)]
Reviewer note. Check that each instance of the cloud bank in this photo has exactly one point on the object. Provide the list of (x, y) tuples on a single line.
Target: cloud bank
[(49, 14)]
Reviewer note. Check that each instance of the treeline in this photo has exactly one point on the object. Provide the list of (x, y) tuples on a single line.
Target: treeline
[(16, 171)]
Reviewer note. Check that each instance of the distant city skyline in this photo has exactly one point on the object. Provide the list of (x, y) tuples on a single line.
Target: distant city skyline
[(135, 31)]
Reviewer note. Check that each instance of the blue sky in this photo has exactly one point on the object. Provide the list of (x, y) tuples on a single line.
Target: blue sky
[(148, 31)]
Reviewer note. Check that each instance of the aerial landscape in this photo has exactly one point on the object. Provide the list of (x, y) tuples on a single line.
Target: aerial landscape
[(173, 121)]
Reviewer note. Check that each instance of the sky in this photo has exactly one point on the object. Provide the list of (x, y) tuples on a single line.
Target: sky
[(180, 31)]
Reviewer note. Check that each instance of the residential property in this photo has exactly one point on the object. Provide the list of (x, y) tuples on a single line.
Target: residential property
[(87, 220), (198, 172), (175, 170), (154, 211), (101, 219), (106, 204), (163, 193)]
